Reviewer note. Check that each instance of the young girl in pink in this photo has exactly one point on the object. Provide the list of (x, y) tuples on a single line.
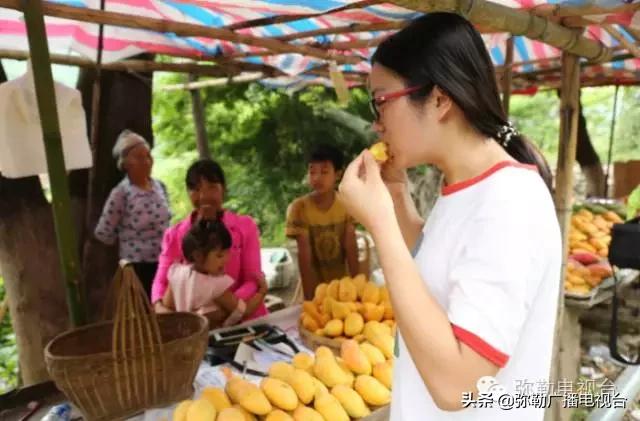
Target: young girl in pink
[(201, 285)]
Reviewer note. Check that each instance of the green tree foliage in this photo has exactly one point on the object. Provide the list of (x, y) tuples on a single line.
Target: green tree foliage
[(8, 351), (261, 138)]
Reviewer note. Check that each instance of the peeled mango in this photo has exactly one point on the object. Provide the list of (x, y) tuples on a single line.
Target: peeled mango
[(379, 151)]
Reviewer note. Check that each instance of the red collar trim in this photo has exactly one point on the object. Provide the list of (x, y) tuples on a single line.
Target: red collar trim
[(452, 188)]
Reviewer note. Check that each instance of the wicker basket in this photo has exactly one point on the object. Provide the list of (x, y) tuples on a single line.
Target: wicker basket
[(115, 369), (313, 341)]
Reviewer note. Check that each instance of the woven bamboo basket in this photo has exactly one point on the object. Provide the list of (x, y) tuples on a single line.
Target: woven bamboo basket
[(115, 369)]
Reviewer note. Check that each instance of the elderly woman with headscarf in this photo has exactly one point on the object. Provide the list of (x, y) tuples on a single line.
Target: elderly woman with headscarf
[(137, 210)]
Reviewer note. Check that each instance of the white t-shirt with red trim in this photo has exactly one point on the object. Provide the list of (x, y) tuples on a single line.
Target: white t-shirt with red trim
[(491, 255)]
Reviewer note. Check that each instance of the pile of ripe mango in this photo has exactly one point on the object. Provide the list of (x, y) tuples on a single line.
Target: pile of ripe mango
[(341, 308), (320, 387), (589, 240)]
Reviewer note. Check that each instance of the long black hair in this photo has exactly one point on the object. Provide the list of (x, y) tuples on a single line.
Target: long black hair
[(445, 50)]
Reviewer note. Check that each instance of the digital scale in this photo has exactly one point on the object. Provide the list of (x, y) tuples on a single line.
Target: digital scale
[(224, 343)]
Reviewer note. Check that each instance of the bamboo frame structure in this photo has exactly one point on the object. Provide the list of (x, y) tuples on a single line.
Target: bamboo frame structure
[(507, 76), (179, 28), (241, 78), (633, 48), (501, 18), (61, 203), (349, 29)]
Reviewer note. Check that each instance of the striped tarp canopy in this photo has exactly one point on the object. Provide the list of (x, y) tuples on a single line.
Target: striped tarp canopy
[(538, 62)]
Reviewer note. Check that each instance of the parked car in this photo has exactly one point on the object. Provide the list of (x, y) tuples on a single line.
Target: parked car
[(279, 267)]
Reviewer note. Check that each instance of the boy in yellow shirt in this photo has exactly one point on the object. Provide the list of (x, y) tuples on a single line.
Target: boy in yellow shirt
[(324, 232)]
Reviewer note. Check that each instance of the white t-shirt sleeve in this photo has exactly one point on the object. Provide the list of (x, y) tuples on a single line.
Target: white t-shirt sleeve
[(489, 298)]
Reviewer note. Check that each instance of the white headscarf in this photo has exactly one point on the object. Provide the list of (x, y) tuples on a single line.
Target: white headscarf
[(127, 140)]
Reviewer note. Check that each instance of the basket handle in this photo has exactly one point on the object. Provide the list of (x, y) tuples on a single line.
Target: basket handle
[(135, 331)]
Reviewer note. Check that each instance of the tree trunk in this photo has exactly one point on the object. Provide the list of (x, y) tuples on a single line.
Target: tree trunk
[(589, 160), (125, 103), (199, 121), (31, 271)]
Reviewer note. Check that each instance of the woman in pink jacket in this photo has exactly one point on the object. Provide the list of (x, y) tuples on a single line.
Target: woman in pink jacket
[(206, 186)]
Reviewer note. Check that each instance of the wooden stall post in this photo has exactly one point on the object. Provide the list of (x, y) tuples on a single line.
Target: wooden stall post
[(566, 352), (61, 201)]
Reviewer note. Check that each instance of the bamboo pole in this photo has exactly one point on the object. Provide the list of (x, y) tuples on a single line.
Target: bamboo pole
[(83, 14), (241, 78), (61, 202), (507, 76), (349, 45), (290, 18), (563, 196), (633, 49), (137, 65), (557, 10), (197, 108), (583, 64), (348, 29), (501, 18), (635, 33)]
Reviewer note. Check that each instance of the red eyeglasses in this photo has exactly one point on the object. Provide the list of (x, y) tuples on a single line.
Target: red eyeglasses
[(376, 102)]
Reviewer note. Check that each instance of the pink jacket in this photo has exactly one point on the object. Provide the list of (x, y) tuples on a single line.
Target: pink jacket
[(244, 260)]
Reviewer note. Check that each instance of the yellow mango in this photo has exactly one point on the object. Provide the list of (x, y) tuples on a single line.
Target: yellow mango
[(347, 291), (359, 338), (248, 396), (351, 401), (384, 373), (304, 413), (231, 414), (340, 310), (281, 370), (320, 293), (303, 361), (320, 388), (360, 280), (334, 328), (353, 324), (328, 371), (319, 332), (371, 293), (325, 308), (379, 151), (308, 307), (388, 310), (381, 340), (354, 358), (329, 407), (350, 377), (373, 312), (374, 355), (309, 323), (372, 390), (278, 415), (201, 410), (248, 416), (280, 393), (384, 294), (385, 328), (216, 397), (333, 289), (323, 351), (302, 382), (180, 413)]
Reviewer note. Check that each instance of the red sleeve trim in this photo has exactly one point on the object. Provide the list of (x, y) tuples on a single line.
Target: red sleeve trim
[(480, 346)]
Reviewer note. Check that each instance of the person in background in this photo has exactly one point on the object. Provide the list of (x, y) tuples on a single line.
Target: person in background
[(137, 212), (201, 285), (205, 182), (324, 232)]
